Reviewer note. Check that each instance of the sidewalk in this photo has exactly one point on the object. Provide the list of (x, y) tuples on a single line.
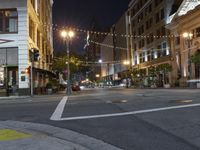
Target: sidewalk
[(31, 136)]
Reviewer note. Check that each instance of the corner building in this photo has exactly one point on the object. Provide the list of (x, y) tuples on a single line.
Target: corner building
[(186, 21), (24, 24), (149, 43)]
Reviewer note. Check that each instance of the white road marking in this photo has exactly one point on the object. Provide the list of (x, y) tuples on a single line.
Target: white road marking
[(59, 110), (56, 116)]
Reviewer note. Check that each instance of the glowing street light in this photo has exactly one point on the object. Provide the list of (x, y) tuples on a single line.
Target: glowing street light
[(100, 61), (97, 75), (67, 36), (126, 62)]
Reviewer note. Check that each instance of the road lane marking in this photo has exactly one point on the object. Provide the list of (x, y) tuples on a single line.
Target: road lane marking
[(56, 116)]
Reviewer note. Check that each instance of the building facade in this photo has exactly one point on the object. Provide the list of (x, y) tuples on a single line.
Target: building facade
[(114, 52), (148, 41), (24, 25), (185, 28)]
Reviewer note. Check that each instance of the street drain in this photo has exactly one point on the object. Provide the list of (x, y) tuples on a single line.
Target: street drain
[(180, 101), (117, 101)]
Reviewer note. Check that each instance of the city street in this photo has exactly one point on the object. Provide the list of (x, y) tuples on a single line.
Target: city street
[(131, 119)]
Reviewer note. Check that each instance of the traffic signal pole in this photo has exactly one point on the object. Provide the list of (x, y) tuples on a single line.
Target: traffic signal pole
[(34, 55), (31, 72), (31, 77)]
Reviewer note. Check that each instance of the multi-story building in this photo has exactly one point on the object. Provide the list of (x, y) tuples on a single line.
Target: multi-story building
[(114, 52), (24, 25), (93, 50), (185, 44), (148, 40)]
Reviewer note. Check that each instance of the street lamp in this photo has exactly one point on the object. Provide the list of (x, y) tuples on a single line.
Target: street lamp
[(67, 36), (100, 61), (188, 37), (126, 62)]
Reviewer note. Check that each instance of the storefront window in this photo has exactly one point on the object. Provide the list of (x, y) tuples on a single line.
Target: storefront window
[(8, 21), (1, 77)]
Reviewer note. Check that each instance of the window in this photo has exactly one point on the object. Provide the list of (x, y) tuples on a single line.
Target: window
[(164, 49), (135, 47), (150, 38), (152, 54), (159, 52), (142, 57), (8, 21), (177, 40), (133, 23), (31, 29), (163, 31), (147, 25), (38, 39), (150, 8), (150, 22), (162, 12), (136, 62), (157, 2), (141, 43), (157, 16), (198, 32), (148, 56)]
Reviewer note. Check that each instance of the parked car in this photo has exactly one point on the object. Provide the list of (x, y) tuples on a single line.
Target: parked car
[(76, 87)]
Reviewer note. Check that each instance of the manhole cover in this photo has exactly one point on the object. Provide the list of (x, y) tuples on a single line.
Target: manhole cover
[(117, 101), (180, 101)]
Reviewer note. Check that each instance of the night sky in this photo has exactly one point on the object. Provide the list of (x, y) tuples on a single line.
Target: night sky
[(80, 13)]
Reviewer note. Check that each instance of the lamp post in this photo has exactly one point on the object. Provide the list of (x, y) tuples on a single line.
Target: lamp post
[(188, 37), (127, 63), (67, 36)]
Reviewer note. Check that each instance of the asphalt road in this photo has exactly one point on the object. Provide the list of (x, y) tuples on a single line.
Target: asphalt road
[(151, 119)]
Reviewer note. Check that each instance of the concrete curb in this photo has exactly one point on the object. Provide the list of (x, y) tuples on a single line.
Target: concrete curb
[(73, 140)]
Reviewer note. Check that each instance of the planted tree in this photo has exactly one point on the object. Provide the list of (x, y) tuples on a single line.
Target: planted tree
[(196, 60), (164, 69)]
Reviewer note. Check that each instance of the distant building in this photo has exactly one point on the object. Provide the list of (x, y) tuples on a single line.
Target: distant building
[(25, 24), (149, 43), (185, 28), (92, 50), (114, 52)]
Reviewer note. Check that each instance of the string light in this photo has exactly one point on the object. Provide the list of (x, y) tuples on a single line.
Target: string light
[(56, 27)]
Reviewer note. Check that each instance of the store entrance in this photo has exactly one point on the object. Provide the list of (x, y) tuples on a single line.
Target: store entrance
[(2, 82), (11, 88)]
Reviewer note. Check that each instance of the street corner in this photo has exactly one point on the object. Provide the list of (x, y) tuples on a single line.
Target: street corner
[(10, 135)]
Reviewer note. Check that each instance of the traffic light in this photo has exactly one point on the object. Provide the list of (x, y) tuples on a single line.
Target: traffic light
[(36, 55)]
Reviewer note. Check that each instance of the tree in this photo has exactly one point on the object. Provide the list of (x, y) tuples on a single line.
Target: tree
[(76, 65), (196, 57), (164, 69)]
